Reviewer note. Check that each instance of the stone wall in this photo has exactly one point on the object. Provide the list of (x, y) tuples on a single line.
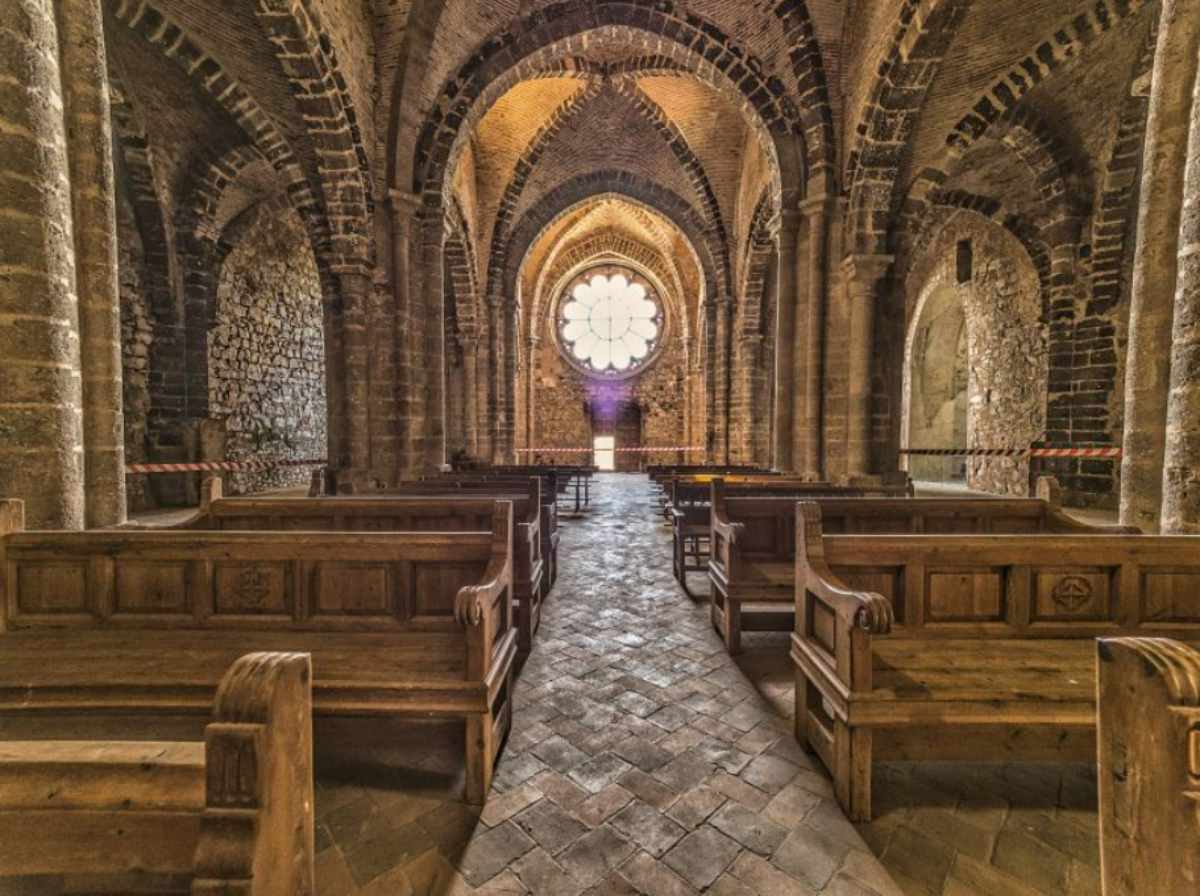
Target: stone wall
[(137, 336), (266, 354), (1006, 344)]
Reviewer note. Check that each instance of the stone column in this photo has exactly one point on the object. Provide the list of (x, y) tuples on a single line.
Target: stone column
[(864, 276), (485, 381), (788, 299), (93, 200), (508, 383), (724, 338), (811, 361), (470, 342), (1156, 264), (1181, 473), (712, 378), (530, 394), (409, 381), (356, 366), (41, 454)]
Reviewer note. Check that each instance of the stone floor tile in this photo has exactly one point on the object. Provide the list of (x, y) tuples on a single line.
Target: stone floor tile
[(769, 773), (643, 753), (737, 789), (969, 876), (701, 856), (598, 807), (921, 858), (599, 771), (595, 854), (811, 857), (764, 879), (539, 873), (654, 878), (503, 807), (647, 827), (563, 791), (492, 851), (551, 826), (749, 828), (1032, 861)]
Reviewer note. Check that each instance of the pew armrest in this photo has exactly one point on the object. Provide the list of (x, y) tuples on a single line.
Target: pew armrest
[(834, 623), (256, 833), (473, 601)]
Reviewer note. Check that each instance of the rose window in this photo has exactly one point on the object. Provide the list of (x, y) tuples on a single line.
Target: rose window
[(610, 323)]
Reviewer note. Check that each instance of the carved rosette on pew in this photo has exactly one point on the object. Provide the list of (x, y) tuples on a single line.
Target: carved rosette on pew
[(1148, 693)]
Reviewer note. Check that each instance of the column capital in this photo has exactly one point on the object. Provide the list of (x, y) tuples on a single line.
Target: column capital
[(866, 268), (815, 205), (403, 201)]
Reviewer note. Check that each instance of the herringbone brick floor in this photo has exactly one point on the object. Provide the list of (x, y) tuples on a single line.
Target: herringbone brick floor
[(643, 759)]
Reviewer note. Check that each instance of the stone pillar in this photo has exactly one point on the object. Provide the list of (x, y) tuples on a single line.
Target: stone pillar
[(530, 395), (470, 342), (485, 381), (787, 302), (1181, 473), (356, 382), (507, 373), (711, 380), (724, 340), (864, 275), (811, 360), (1156, 264), (41, 455), (93, 200)]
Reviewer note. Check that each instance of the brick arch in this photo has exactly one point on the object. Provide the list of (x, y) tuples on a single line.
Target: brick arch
[(873, 204), (211, 79), (655, 25), (309, 62), (567, 196), (167, 383), (523, 170), (923, 32), (461, 270), (692, 166), (752, 310), (816, 110)]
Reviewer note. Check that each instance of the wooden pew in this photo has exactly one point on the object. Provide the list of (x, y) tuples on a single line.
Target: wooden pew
[(234, 813), (751, 551), (1149, 751), (533, 532), (553, 485), (689, 510), (432, 510), (398, 623), (956, 646)]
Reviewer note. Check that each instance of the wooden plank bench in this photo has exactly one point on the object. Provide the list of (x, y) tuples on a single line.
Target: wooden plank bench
[(1149, 753), (231, 814), (531, 538), (398, 623), (689, 510), (955, 646), (432, 510), (553, 486)]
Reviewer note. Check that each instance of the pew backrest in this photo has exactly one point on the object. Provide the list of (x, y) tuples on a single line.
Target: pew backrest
[(1002, 586), (431, 583)]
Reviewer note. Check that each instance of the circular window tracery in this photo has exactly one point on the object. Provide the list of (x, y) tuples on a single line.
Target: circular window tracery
[(610, 322)]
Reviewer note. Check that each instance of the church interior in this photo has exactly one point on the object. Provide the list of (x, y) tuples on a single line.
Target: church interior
[(600, 447)]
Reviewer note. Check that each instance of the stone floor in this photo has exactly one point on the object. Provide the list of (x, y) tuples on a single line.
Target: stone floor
[(644, 760)]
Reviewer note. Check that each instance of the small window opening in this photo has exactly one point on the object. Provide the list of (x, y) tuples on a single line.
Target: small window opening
[(605, 448)]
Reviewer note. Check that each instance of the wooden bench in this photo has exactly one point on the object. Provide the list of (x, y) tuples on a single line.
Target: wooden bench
[(456, 510), (532, 537), (751, 552), (689, 511), (553, 485), (231, 814), (957, 646), (398, 623), (1149, 752)]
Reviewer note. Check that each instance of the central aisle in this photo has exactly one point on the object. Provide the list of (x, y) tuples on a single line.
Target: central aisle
[(642, 759)]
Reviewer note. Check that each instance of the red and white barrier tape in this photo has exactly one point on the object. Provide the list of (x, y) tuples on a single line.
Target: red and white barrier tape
[(246, 466), (1096, 453), (593, 450)]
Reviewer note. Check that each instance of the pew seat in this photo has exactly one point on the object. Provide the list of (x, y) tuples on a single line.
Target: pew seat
[(966, 645), (230, 814), (416, 624)]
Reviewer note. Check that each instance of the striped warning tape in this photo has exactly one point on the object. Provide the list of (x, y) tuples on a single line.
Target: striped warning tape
[(245, 466), (591, 450), (1100, 453)]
